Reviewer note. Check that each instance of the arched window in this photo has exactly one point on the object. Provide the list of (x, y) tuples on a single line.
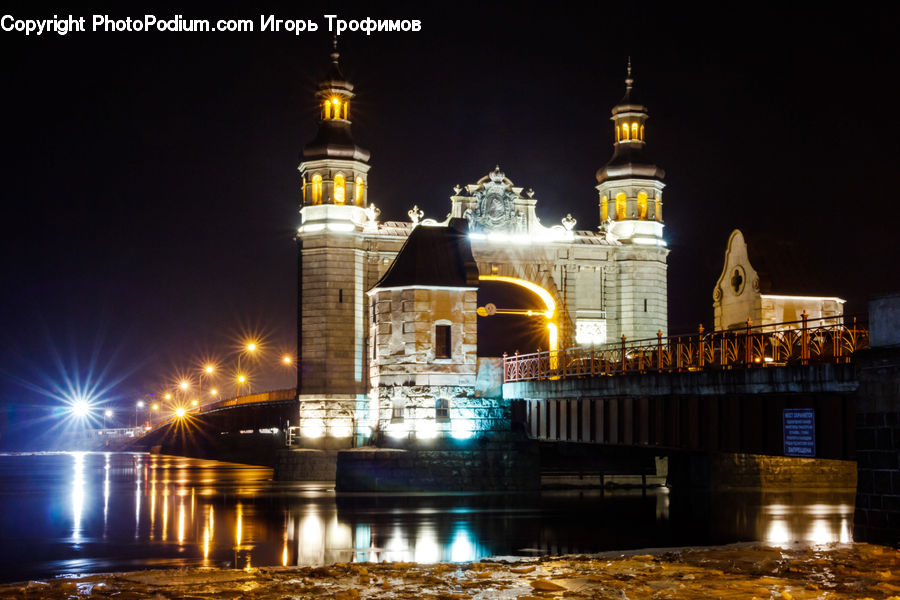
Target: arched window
[(317, 189), (642, 133), (360, 192), (658, 208), (624, 132), (634, 131), (326, 110), (618, 134), (620, 206), (336, 106), (304, 190), (642, 206), (346, 108), (340, 189), (604, 208)]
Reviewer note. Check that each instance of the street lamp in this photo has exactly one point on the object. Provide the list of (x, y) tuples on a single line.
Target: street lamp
[(138, 406), (106, 414), (240, 381), (208, 370), (179, 412), (249, 348)]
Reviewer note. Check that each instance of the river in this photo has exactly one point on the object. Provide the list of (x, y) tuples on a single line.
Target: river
[(70, 513)]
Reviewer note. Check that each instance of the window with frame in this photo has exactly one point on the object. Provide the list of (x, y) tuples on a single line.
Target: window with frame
[(442, 409), (397, 409), (442, 341)]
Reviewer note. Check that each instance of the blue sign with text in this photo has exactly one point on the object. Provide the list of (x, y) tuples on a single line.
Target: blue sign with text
[(800, 432)]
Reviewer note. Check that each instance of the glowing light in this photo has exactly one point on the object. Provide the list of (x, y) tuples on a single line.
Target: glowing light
[(155, 407), (168, 396), (313, 428), (335, 101), (241, 379), (214, 392), (462, 549), (81, 408), (209, 369), (287, 359), (461, 429), (251, 347), (184, 384), (107, 413), (778, 532), (543, 294), (426, 429), (179, 412), (194, 403), (341, 227), (140, 404)]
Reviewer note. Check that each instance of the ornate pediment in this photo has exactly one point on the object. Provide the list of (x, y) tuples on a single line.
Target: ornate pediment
[(495, 206)]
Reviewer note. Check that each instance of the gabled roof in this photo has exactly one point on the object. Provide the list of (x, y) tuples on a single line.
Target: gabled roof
[(434, 257)]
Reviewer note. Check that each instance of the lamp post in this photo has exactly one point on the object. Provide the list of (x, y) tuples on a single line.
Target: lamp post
[(208, 370), (139, 405), (249, 348), (106, 414)]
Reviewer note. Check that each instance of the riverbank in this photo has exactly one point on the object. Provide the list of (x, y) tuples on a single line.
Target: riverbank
[(738, 571)]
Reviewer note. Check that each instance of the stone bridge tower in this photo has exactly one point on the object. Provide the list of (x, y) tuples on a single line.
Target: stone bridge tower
[(338, 263), (630, 188)]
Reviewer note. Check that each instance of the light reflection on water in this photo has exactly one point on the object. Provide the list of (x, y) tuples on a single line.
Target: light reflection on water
[(101, 512)]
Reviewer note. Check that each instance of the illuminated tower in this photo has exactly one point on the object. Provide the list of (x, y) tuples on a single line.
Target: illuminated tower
[(333, 170), (332, 271), (630, 188)]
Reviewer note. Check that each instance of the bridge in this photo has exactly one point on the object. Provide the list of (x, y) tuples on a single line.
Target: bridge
[(249, 429)]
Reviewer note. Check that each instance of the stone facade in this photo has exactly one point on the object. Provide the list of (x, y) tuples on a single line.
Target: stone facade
[(603, 284), (877, 518), (741, 293), (408, 380)]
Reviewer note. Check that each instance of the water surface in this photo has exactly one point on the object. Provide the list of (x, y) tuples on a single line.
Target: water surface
[(94, 512)]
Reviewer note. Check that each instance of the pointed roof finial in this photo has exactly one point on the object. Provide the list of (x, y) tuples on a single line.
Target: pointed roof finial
[(628, 79), (334, 53)]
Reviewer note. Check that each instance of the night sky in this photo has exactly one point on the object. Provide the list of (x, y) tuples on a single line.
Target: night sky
[(150, 190)]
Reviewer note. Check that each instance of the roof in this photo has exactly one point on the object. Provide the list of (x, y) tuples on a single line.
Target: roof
[(629, 160), (434, 257), (334, 140), (785, 267)]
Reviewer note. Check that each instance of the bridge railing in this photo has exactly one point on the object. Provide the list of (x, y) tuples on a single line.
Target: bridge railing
[(807, 341), (271, 396)]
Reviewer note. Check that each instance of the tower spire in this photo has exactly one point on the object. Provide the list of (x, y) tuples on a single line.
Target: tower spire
[(628, 80)]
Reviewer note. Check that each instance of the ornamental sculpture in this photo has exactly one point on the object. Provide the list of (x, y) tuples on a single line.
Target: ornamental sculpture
[(495, 208)]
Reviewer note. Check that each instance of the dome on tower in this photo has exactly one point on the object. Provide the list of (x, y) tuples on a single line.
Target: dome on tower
[(630, 157), (334, 138)]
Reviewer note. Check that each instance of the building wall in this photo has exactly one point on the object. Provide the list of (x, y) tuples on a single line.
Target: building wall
[(337, 270), (405, 373)]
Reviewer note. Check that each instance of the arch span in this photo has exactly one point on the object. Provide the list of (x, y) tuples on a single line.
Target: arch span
[(551, 313)]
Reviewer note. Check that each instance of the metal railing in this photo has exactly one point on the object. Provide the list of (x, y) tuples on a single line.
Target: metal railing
[(807, 341)]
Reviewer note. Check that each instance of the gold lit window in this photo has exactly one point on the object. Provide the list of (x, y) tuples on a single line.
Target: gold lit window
[(317, 189), (360, 191), (658, 208), (642, 206), (624, 132), (604, 209), (620, 206), (340, 189), (642, 133), (634, 131)]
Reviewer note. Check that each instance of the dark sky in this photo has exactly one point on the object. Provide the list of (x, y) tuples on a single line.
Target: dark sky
[(150, 190)]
